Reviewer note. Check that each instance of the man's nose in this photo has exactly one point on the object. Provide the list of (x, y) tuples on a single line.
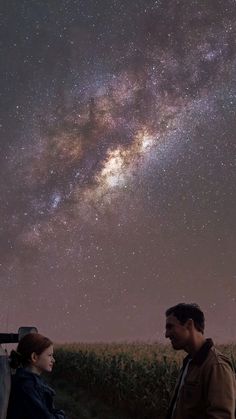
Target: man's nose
[(168, 333)]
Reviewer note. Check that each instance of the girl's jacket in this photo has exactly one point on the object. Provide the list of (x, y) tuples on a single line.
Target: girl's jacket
[(31, 398)]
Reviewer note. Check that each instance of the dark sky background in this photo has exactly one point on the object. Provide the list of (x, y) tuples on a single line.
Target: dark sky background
[(117, 162)]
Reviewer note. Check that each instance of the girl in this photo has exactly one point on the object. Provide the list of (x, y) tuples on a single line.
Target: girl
[(31, 397)]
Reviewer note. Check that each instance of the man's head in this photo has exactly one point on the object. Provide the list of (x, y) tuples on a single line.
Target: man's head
[(184, 323)]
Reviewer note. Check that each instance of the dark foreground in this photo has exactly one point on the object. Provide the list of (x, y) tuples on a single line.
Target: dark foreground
[(79, 404)]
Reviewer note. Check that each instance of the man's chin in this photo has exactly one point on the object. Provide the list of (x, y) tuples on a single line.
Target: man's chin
[(176, 346)]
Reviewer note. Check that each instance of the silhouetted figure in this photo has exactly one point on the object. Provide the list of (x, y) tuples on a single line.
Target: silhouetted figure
[(206, 385)]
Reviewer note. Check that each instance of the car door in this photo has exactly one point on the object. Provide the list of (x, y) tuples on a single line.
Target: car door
[(5, 383)]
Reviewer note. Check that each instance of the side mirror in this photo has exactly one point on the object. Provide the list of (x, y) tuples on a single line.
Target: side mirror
[(22, 331)]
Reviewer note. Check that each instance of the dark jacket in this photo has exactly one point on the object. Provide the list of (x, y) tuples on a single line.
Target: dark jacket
[(209, 388), (31, 398)]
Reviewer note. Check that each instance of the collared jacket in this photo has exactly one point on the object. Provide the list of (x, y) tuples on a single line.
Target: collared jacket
[(31, 398), (209, 387)]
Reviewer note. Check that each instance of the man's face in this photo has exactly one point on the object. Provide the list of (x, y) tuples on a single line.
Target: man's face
[(177, 333)]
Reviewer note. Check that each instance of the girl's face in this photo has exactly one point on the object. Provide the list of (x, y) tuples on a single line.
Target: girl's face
[(43, 362)]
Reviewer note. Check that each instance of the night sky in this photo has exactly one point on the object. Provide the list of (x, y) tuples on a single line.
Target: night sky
[(118, 174)]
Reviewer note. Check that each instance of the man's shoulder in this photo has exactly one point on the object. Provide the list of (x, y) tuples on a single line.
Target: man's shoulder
[(215, 356)]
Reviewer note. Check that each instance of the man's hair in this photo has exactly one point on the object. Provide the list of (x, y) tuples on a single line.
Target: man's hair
[(184, 312)]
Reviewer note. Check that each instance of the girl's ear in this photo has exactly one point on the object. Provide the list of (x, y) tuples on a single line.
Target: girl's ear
[(34, 357)]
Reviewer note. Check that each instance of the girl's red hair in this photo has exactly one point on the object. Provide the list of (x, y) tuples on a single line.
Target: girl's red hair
[(32, 342)]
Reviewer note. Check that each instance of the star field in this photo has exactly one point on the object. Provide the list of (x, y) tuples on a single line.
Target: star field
[(117, 165)]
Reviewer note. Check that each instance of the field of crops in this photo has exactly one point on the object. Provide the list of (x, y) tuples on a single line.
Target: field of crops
[(137, 378)]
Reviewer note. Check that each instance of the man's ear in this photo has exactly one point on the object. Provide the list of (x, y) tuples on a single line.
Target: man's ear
[(34, 357), (189, 324)]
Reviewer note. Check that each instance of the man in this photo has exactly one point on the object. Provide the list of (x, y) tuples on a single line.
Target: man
[(206, 387)]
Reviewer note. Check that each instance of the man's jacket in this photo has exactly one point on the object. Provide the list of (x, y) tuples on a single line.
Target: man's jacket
[(209, 387), (31, 398)]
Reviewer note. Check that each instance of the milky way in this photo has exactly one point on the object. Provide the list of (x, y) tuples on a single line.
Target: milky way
[(117, 165)]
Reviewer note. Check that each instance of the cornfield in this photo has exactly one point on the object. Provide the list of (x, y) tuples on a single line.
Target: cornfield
[(136, 377)]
